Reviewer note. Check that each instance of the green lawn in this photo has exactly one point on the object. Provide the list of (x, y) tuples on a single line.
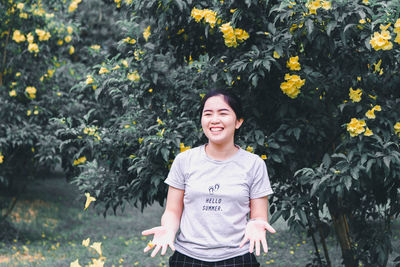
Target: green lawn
[(51, 225)]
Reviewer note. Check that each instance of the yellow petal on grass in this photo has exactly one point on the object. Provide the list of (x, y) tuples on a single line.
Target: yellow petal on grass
[(97, 246), (75, 264), (89, 199), (86, 242)]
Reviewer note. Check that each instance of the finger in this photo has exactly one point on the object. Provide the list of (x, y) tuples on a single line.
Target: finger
[(244, 240), (148, 232), (251, 248), (269, 228), (265, 245), (257, 247), (147, 248), (172, 246), (155, 251), (164, 249)]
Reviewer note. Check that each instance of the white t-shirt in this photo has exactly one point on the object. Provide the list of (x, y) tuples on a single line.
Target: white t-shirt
[(216, 201)]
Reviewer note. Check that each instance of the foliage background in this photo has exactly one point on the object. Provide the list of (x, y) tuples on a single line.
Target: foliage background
[(128, 108)]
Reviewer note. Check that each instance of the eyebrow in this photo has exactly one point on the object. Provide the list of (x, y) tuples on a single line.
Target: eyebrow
[(219, 110)]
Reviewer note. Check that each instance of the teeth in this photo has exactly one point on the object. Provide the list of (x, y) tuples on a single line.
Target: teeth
[(216, 129)]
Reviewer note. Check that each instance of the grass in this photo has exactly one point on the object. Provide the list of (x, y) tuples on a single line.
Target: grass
[(50, 225)]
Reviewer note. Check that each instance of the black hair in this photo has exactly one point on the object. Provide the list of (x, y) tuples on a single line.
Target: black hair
[(230, 98)]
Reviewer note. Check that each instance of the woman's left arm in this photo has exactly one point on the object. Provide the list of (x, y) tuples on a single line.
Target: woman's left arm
[(257, 225)]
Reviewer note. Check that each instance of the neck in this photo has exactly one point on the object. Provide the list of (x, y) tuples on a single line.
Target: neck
[(220, 151)]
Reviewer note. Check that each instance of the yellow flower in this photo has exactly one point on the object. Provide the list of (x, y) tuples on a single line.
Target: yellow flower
[(396, 128), (20, 6), (89, 199), (355, 95), (293, 63), (276, 55), (124, 63), (140, 140), (241, 35), (43, 35), (60, 42), (95, 47), (68, 38), (370, 114), (73, 6), (89, 79), (28, 112), (356, 127), (151, 90), (361, 21), (184, 148), (17, 74), (365, 2), (250, 149), (31, 91), (116, 67), (133, 76), (1, 158), (71, 50), (377, 108), (75, 264), (86, 242), (264, 157), (368, 132), (210, 17), (197, 14), (18, 36), (103, 70), (36, 112), (97, 246), (132, 156), (147, 33), (159, 121), (292, 85), (12, 93), (326, 5)]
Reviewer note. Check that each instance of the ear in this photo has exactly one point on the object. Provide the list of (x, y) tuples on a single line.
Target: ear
[(239, 123)]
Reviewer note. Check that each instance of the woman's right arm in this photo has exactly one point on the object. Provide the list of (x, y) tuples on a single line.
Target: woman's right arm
[(164, 235)]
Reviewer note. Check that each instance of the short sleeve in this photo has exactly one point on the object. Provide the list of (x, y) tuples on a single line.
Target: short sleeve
[(176, 176), (260, 186)]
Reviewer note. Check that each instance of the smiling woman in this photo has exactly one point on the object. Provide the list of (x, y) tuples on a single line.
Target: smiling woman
[(217, 197)]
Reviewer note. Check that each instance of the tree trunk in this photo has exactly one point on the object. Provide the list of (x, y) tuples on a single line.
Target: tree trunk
[(342, 231)]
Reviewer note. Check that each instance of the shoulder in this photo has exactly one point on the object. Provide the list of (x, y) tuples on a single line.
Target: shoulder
[(250, 157)]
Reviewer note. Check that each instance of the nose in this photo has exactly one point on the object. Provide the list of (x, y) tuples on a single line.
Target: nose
[(215, 119)]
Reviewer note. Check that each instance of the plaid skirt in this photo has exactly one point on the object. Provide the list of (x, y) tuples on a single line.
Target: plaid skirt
[(181, 260)]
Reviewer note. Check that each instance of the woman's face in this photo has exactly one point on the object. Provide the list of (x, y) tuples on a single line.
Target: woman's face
[(219, 121)]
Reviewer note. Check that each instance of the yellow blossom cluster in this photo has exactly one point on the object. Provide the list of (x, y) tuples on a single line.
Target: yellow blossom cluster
[(92, 131), (380, 40), (147, 33), (293, 63), (18, 36), (370, 114), (356, 127), (314, 5), (355, 95), (396, 128), (79, 161), (1, 158), (397, 31), (43, 35), (12, 93), (184, 148), (232, 36), (208, 15), (133, 76), (99, 262), (89, 79), (292, 85), (74, 5), (103, 70), (129, 40), (31, 91)]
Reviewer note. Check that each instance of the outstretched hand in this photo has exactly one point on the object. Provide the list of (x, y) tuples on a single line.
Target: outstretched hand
[(162, 238), (255, 233)]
